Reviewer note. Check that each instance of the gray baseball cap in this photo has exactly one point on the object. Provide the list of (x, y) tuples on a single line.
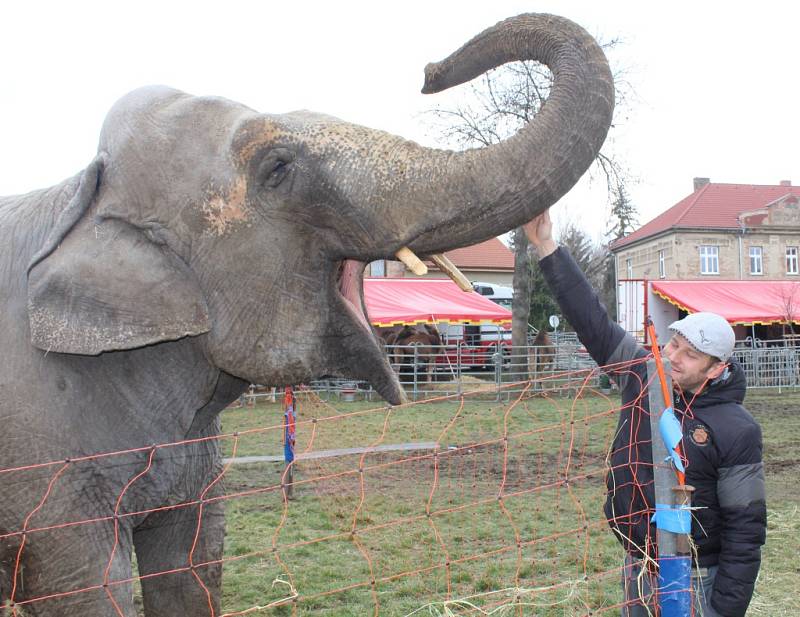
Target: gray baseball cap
[(707, 332)]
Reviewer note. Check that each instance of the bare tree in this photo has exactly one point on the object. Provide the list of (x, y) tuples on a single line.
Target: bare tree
[(622, 221), (790, 301), (589, 254)]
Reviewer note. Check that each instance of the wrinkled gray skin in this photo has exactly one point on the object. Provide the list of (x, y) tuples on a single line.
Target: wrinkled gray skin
[(203, 249)]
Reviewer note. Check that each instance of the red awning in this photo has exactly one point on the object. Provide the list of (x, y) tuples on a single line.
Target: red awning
[(740, 302), (393, 302)]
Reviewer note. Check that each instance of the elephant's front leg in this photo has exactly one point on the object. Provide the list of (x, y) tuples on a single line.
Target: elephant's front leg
[(74, 572), (164, 542)]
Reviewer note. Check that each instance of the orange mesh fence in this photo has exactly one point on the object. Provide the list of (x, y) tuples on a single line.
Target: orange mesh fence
[(455, 505)]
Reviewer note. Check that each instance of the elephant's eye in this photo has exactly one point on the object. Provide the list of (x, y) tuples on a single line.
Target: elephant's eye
[(274, 167)]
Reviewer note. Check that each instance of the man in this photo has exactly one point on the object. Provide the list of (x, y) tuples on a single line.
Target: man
[(721, 443)]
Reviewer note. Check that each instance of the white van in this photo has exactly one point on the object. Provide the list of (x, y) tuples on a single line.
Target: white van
[(496, 293)]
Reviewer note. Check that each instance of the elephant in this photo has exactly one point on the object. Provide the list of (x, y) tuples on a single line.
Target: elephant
[(208, 246)]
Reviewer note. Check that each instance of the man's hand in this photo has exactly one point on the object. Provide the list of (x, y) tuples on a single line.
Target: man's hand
[(540, 234)]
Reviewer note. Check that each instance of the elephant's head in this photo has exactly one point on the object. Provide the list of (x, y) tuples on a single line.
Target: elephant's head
[(201, 217)]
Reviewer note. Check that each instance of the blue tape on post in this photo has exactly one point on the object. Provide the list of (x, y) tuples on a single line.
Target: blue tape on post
[(675, 585), (677, 519), (289, 419), (671, 433)]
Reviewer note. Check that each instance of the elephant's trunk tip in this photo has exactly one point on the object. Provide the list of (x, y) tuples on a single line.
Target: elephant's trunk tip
[(434, 81)]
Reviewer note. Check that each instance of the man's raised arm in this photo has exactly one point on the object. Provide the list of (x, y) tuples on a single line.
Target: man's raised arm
[(605, 341)]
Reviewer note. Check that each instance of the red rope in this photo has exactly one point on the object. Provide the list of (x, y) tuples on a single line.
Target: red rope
[(546, 468)]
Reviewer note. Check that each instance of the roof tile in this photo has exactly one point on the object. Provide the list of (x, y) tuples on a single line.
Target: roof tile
[(489, 255), (715, 205)]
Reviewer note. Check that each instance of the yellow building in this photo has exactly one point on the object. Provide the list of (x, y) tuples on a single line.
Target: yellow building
[(718, 234)]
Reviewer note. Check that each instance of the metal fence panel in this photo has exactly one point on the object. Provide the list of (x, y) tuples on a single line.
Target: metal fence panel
[(437, 371), (433, 371), (771, 365)]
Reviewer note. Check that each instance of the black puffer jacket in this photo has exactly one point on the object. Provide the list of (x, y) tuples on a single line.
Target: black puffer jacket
[(721, 442)]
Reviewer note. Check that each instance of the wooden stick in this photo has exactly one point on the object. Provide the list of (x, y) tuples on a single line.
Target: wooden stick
[(450, 269)]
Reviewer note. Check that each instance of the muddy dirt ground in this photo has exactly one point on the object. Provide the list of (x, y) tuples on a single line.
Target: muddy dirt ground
[(779, 417)]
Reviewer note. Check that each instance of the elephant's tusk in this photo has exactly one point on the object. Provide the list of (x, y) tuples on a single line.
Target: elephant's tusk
[(450, 269), (412, 262)]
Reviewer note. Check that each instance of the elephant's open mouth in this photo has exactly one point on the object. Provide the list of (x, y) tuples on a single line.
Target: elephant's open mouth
[(351, 286), (357, 346)]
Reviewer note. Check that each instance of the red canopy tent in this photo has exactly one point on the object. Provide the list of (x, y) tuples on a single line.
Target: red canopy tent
[(400, 301), (740, 302)]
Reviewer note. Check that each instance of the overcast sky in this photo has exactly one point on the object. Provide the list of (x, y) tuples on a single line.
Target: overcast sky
[(717, 82)]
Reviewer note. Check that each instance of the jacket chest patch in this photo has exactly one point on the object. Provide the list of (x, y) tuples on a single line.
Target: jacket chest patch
[(700, 435)]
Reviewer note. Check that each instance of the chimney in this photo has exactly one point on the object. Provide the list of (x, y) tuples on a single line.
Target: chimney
[(700, 183), (786, 183)]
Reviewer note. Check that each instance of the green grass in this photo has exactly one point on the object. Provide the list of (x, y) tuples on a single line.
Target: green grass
[(421, 526), (428, 531), (776, 591), (323, 425)]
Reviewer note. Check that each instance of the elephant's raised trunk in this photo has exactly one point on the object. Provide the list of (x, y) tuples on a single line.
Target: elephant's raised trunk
[(455, 199)]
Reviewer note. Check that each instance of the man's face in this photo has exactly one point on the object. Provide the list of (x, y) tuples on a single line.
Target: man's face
[(690, 368)]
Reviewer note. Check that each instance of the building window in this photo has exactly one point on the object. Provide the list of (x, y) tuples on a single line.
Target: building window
[(756, 260), (378, 268), (709, 259), (662, 269), (629, 267), (791, 260)]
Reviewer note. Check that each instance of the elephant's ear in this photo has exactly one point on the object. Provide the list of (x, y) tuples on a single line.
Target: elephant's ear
[(104, 286)]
